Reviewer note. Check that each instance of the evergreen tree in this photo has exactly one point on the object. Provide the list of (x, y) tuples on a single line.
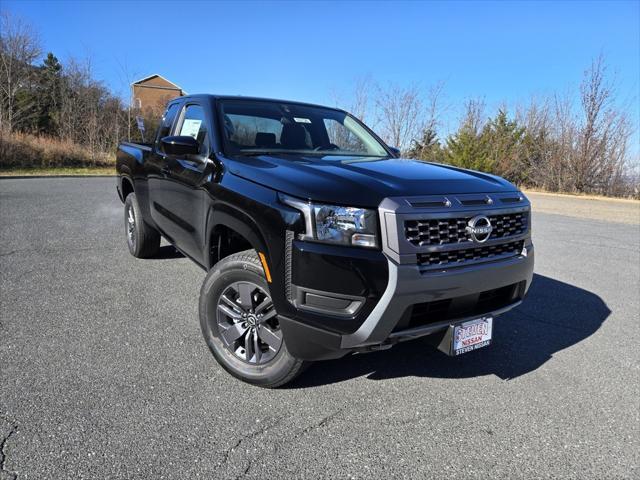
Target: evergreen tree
[(49, 93), (467, 149), (502, 139), (428, 148)]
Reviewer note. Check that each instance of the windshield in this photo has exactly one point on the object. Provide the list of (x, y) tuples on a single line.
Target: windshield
[(255, 127)]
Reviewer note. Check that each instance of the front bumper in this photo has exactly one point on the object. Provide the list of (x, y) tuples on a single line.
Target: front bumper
[(391, 310), (408, 287)]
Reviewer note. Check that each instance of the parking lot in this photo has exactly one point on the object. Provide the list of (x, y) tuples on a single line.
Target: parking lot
[(104, 372)]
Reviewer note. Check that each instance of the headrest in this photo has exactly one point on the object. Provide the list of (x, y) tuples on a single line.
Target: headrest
[(293, 136), (265, 139)]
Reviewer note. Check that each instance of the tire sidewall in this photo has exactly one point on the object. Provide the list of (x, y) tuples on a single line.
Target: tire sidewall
[(218, 279), (131, 203)]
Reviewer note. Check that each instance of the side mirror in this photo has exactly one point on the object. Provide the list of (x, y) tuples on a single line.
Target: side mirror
[(180, 145), (396, 151)]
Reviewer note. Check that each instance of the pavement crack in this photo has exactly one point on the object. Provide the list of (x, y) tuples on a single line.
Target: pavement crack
[(321, 423), (3, 446), (227, 453), (310, 428)]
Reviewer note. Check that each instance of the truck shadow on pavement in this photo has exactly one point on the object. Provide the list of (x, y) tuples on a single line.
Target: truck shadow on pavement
[(167, 252), (553, 316)]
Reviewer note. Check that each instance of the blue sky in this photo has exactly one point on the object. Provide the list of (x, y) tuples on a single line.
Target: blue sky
[(502, 51)]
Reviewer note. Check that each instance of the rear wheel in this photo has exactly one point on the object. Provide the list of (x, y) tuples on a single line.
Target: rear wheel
[(240, 324), (142, 239)]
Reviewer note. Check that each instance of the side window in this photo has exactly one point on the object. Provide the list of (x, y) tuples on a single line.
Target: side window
[(167, 121), (193, 124)]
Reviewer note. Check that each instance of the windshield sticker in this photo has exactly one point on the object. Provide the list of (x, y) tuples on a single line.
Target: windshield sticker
[(302, 120), (190, 127)]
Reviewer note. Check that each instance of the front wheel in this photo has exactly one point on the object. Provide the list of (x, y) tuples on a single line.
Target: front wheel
[(240, 324)]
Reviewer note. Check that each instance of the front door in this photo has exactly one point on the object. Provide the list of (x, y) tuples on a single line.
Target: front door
[(157, 173), (187, 176)]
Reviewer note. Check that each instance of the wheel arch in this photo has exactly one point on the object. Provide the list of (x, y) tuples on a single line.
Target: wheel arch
[(230, 231), (126, 187)]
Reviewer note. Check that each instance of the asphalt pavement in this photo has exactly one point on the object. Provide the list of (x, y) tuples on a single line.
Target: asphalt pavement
[(104, 372)]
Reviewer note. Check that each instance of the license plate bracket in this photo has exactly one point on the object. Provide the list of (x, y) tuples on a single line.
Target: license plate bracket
[(467, 336)]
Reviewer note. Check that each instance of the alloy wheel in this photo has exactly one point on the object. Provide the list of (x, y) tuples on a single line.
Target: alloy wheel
[(131, 227), (248, 324)]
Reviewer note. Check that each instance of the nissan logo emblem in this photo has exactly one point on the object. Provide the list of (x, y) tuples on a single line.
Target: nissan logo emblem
[(479, 229)]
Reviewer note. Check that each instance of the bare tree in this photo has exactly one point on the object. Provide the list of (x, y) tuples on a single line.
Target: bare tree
[(127, 77), (359, 103), (400, 114), (19, 48), (474, 115), (579, 147), (358, 106), (428, 146), (604, 134), (90, 114), (434, 108), (361, 93)]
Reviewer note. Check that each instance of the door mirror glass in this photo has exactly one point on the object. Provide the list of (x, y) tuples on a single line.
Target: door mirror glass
[(180, 145)]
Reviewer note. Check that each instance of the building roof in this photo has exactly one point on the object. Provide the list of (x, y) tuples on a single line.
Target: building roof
[(149, 77)]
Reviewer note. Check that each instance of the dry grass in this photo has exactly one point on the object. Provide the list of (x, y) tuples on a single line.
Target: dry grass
[(56, 171), (25, 151), (588, 196)]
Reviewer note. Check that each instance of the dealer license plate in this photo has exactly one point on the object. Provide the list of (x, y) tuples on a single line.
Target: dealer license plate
[(471, 335)]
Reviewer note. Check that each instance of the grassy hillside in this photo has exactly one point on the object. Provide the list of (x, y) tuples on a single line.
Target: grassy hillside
[(25, 152)]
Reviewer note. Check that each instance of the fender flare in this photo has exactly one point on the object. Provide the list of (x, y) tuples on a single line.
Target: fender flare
[(129, 180), (237, 221), (122, 178)]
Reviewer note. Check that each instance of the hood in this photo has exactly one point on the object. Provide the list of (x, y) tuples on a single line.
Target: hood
[(361, 181)]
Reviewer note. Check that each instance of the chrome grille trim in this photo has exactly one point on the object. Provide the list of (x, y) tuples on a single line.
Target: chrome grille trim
[(408, 225), (444, 231)]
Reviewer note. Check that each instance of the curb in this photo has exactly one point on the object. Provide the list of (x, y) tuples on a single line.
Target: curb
[(21, 177)]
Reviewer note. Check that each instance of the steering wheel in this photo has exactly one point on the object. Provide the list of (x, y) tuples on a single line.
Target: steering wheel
[(329, 146)]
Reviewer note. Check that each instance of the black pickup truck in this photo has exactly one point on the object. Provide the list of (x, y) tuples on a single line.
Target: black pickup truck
[(318, 239)]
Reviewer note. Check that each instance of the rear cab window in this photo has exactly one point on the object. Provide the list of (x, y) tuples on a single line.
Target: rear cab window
[(166, 123)]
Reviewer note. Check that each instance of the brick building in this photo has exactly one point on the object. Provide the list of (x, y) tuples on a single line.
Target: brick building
[(151, 94)]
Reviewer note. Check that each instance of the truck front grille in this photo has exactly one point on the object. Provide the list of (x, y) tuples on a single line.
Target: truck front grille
[(468, 255), (444, 231)]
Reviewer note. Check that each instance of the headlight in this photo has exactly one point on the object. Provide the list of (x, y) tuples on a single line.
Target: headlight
[(333, 224)]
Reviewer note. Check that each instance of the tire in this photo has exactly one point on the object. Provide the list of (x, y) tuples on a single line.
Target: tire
[(142, 239), (240, 326)]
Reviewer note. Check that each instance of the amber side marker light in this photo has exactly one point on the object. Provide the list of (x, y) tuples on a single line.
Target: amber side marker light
[(265, 266)]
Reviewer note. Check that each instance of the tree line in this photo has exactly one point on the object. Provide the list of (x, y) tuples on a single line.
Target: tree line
[(579, 142), (574, 142), (45, 98)]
